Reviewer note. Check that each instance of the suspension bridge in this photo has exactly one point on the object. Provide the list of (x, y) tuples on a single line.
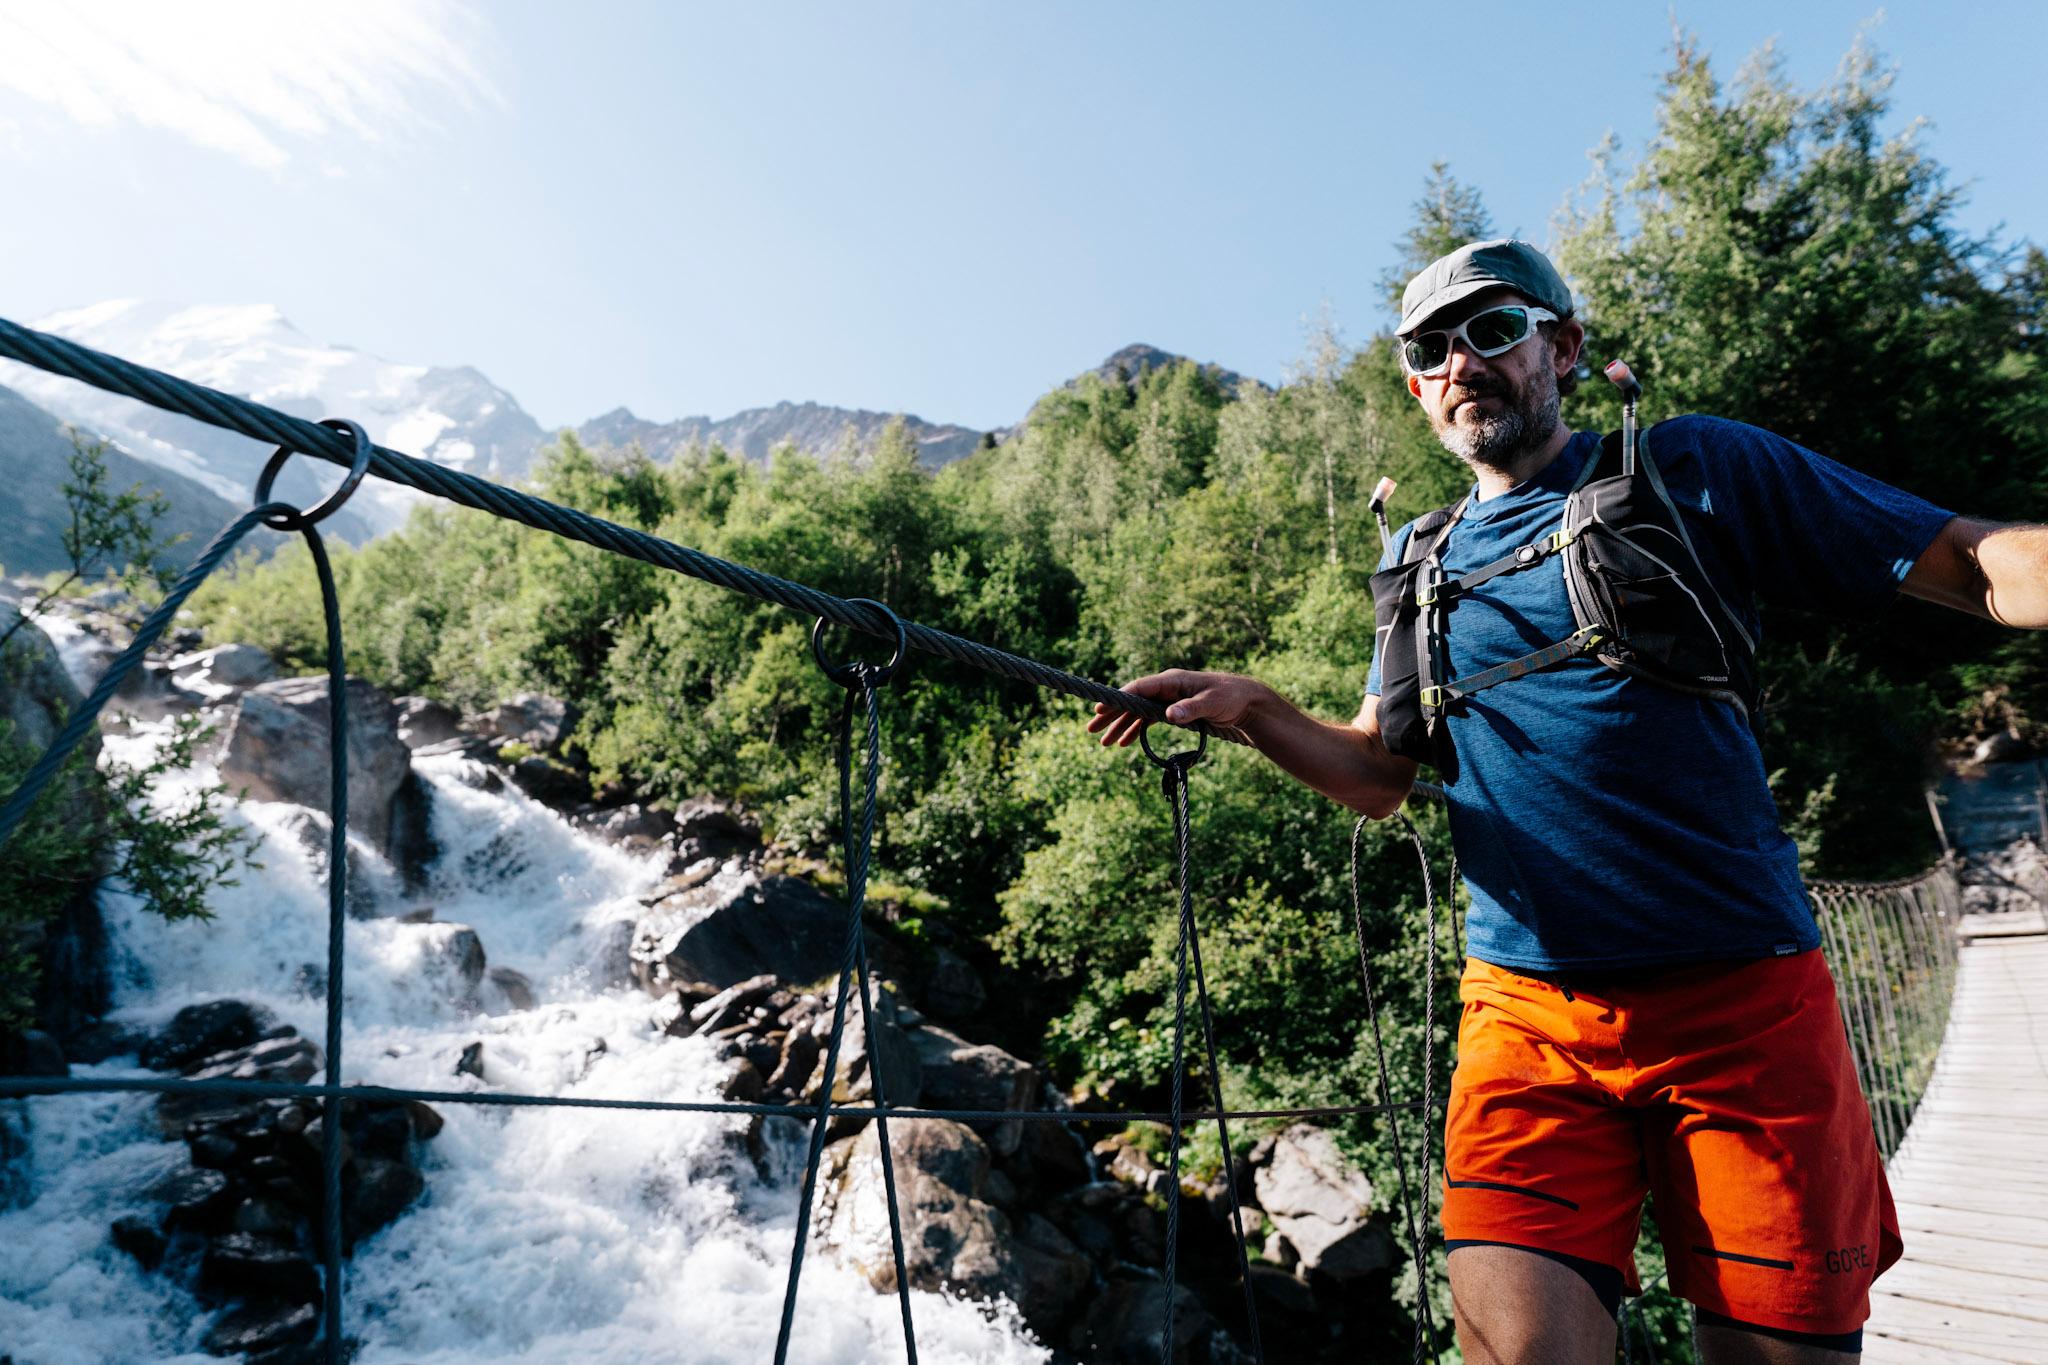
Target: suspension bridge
[(1942, 1009)]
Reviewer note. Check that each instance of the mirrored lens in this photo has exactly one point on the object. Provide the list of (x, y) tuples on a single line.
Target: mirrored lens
[(1427, 351), (1497, 329)]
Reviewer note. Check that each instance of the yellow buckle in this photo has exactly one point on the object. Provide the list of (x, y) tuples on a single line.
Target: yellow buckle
[(1428, 601), (1433, 697), (1557, 540)]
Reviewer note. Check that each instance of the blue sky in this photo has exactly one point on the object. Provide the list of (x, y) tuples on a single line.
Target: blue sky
[(943, 209)]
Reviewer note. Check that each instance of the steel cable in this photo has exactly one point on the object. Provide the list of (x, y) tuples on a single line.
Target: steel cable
[(1425, 1327), (115, 375)]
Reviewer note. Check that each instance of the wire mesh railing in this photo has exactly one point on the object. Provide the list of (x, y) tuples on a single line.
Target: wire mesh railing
[(1893, 948)]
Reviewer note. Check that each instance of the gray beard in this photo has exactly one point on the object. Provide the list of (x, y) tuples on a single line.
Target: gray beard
[(1495, 441)]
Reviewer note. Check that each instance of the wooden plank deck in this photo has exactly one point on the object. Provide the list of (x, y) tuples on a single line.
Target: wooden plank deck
[(1971, 1178)]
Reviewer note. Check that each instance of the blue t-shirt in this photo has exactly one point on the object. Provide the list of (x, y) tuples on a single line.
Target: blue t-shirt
[(1606, 821)]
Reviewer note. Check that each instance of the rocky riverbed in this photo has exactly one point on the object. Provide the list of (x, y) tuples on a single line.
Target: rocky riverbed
[(510, 932)]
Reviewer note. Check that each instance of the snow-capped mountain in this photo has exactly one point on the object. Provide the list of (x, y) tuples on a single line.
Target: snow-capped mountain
[(455, 417)]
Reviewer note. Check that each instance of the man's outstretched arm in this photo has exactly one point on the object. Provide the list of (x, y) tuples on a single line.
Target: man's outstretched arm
[(1350, 764), (1999, 572)]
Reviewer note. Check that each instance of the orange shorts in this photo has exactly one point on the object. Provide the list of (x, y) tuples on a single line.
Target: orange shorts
[(1726, 1092)]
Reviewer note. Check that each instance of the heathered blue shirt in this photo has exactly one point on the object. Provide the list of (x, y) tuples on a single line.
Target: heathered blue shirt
[(1605, 821)]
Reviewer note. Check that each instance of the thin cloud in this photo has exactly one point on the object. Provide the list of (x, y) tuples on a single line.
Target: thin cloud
[(260, 81)]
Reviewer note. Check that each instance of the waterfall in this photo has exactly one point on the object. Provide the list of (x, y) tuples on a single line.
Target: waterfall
[(544, 1234)]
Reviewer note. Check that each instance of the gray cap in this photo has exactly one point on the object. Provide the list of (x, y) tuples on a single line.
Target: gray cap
[(1503, 262)]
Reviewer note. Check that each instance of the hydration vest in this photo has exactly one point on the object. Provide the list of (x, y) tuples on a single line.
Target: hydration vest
[(1641, 603)]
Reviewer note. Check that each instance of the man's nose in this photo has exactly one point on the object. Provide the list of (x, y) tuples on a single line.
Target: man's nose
[(1464, 360)]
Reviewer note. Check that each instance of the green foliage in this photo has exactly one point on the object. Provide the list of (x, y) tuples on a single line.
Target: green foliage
[(1447, 216), (172, 858), (110, 538), (50, 859), (97, 822)]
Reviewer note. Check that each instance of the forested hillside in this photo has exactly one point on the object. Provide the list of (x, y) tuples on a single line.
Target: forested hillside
[(1769, 258)]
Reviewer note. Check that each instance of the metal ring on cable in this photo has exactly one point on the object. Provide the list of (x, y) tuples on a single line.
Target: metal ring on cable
[(1186, 758), (847, 674), (291, 519)]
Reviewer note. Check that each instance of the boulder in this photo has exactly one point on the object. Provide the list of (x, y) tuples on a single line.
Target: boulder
[(635, 827), (198, 1031), (1278, 1291), (379, 1190), (958, 1074), (1323, 1205), (902, 1068), (539, 722), (423, 721), (32, 1052), (449, 962), (266, 1325), (953, 990), (96, 1042), (222, 672), (1123, 1322), (736, 925), (139, 1237), (511, 987), (550, 781), (1050, 1156), (954, 1240), (192, 1198), (709, 827), (752, 1001), (277, 743), (288, 1058), (35, 691), (242, 1265)]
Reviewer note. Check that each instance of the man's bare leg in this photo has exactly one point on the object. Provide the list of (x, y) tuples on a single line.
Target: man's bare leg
[(1720, 1345), (1517, 1308)]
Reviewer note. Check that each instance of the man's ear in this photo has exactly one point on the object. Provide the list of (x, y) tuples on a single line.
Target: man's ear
[(1566, 345), (1415, 386)]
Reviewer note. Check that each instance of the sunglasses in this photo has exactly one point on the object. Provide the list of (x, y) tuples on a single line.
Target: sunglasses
[(1486, 334)]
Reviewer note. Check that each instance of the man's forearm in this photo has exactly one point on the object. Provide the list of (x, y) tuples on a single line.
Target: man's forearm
[(2013, 563), (1998, 572), (1349, 765)]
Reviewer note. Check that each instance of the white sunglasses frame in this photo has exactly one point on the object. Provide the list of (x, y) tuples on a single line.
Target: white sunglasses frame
[(1457, 334)]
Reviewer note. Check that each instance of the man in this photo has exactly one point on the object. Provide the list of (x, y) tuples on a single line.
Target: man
[(1646, 1009)]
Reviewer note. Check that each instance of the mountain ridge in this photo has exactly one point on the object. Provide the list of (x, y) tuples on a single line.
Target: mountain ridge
[(452, 414)]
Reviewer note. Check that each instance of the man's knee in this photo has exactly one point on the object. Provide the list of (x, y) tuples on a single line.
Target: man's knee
[(1518, 1305)]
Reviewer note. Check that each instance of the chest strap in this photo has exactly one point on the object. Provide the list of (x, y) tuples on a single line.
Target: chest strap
[(1578, 642), (1521, 557)]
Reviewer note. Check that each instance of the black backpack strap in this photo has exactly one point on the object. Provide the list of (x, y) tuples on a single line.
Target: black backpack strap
[(1429, 635), (1649, 467), (1580, 641)]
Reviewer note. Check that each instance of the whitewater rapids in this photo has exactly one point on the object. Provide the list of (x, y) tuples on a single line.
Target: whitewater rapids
[(606, 1237)]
